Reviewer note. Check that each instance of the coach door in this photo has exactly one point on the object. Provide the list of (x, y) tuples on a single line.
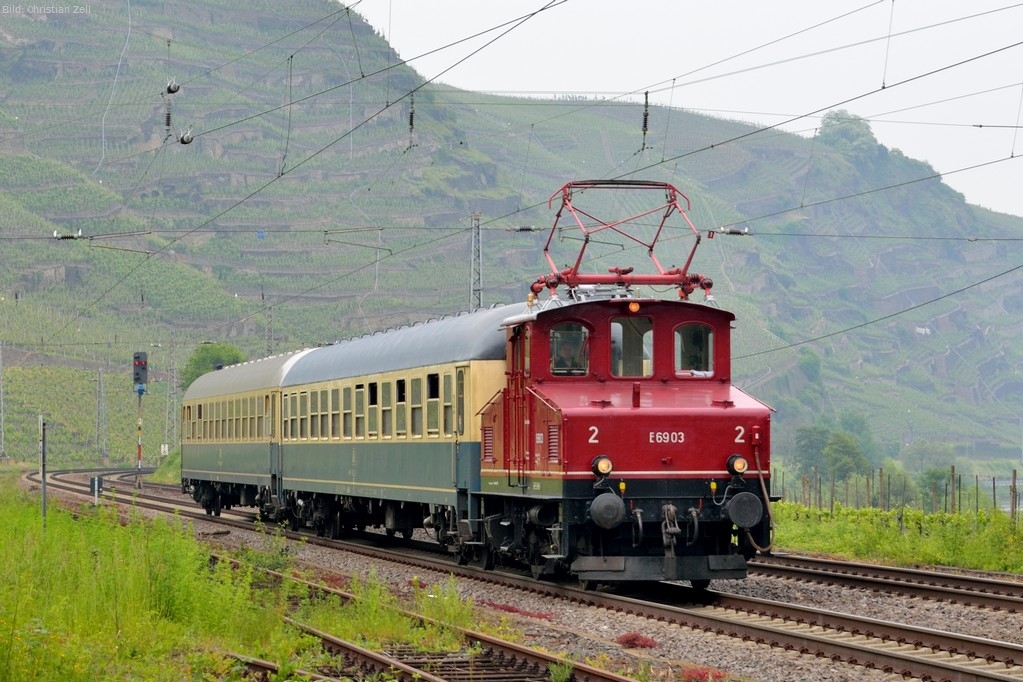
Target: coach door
[(276, 465)]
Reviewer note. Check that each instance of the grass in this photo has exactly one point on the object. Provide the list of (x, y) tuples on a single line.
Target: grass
[(97, 593), (987, 540), (95, 596)]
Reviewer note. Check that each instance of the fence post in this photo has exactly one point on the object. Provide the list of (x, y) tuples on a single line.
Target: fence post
[(952, 483)]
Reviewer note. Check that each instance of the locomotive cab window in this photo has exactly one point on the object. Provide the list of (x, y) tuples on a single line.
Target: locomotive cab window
[(569, 349), (632, 347), (694, 350)]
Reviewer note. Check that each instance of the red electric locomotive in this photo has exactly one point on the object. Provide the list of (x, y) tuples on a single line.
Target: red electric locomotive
[(618, 449)]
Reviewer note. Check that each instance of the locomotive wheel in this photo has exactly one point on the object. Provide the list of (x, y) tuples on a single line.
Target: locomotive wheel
[(587, 585), (406, 533), (700, 584), (216, 505)]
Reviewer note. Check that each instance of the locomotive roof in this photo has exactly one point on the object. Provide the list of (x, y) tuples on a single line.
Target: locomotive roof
[(252, 375), (468, 336)]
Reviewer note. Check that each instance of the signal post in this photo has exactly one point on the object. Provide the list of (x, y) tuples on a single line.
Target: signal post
[(140, 377)]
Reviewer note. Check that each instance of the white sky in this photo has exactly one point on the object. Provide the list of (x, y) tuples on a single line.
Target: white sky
[(762, 62)]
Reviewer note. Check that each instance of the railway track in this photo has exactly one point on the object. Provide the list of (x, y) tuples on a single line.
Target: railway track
[(943, 586), (483, 658), (907, 651)]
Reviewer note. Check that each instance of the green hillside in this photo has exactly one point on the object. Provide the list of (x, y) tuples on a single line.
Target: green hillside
[(327, 190)]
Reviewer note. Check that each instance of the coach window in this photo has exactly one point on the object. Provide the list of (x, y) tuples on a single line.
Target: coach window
[(433, 405), (346, 411), (240, 414), (460, 401), (261, 402), (335, 413), (314, 414), (272, 407), (303, 415), (632, 347), (360, 410), (446, 402), (386, 412), (248, 417), (400, 406), (416, 406), (373, 405), (324, 415), (291, 416), (569, 349), (694, 350)]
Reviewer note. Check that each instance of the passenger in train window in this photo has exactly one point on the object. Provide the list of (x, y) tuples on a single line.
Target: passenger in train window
[(568, 352)]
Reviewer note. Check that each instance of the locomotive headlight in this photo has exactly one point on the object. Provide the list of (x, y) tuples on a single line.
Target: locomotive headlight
[(633, 306), (737, 465), (601, 465)]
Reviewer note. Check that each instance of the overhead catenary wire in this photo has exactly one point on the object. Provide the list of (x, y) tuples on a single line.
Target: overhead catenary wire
[(676, 157), (513, 25)]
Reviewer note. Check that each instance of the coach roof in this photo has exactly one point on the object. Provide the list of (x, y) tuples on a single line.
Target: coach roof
[(460, 338), (253, 375)]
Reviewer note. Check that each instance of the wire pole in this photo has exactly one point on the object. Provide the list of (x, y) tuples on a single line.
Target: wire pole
[(3, 424), (476, 266)]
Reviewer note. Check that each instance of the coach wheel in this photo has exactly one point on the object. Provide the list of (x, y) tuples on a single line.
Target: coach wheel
[(700, 584), (406, 533), (217, 505), (587, 585)]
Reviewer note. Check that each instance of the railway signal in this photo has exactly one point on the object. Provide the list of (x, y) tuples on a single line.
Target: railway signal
[(140, 377), (140, 369)]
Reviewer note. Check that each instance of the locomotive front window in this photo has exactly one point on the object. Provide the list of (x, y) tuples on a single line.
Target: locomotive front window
[(632, 347), (694, 350), (570, 349)]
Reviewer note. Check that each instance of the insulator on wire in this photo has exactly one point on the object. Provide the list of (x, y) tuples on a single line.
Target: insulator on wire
[(646, 111), (167, 117)]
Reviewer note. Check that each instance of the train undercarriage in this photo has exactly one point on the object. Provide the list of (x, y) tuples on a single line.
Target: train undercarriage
[(554, 540)]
